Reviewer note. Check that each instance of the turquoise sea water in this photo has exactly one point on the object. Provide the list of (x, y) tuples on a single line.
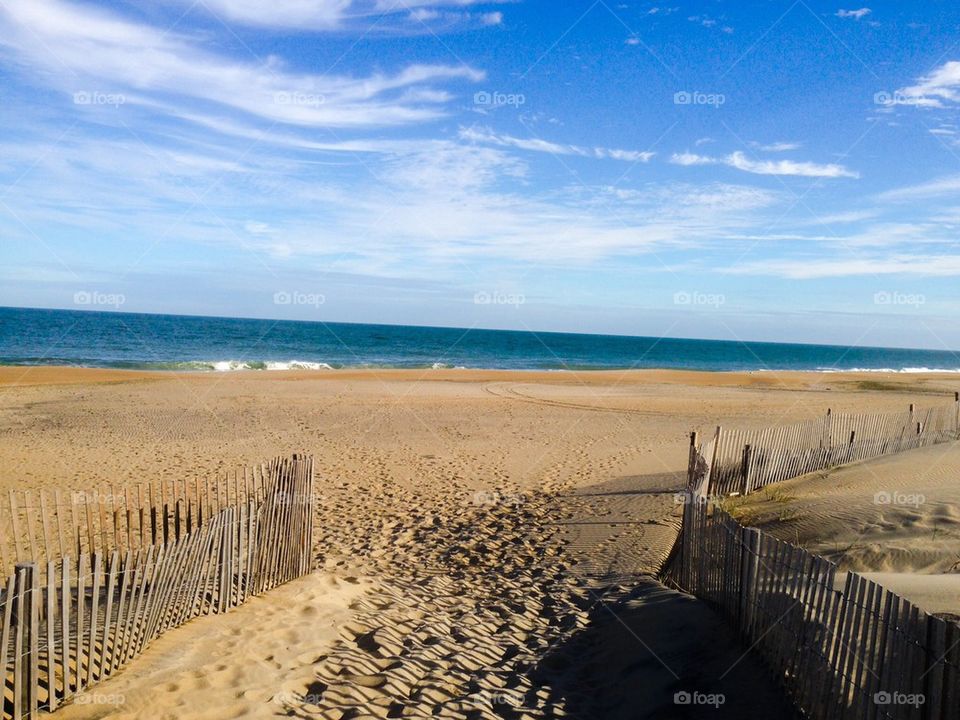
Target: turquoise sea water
[(173, 342)]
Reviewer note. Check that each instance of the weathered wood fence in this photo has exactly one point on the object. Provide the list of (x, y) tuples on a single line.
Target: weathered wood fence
[(745, 460), (144, 562), (840, 648)]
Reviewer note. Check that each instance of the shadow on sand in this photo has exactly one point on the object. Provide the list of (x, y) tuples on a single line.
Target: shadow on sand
[(648, 651), (652, 652)]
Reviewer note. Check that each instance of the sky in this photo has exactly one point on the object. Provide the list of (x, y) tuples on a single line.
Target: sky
[(785, 171)]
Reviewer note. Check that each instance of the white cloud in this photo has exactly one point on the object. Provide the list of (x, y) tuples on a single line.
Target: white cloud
[(396, 208), (487, 136), (854, 14), (424, 14), (315, 14), (709, 22), (80, 49), (843, 218), (765, 167), (788, 167), (809, 268), (687, 158), (777, 146), (934, 90), (949, 185), (322, 15)]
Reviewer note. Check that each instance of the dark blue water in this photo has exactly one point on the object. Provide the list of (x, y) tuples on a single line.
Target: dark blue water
[(175, 342)]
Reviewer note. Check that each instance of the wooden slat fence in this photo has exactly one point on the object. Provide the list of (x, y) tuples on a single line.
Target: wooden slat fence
[(145, 562), (841, 648), (746, 460), (44, 525)]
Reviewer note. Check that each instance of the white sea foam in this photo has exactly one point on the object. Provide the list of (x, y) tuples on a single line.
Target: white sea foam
[(913, 370), (231, 365), (299, 365)]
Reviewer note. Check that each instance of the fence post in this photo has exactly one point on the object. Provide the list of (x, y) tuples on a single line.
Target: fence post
[(956, 401), (692, 459), (749, 541), (26, 657), (708, 490), (745, 470)]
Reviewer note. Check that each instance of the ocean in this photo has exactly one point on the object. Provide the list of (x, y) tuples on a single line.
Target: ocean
[(176, 342)]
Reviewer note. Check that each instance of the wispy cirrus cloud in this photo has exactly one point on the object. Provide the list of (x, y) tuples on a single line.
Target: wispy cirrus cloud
[(740, 161), (814, 267), (937, 89), (788, 167), (776, 146), (689, 159), (79, 49), (487, 136), (949, 185), (339, 15)]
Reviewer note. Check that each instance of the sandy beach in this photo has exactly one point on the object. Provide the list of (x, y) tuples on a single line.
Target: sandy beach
[(484, 540)]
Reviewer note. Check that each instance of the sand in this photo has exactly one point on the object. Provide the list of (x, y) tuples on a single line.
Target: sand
[(896, 519), (485, 540)]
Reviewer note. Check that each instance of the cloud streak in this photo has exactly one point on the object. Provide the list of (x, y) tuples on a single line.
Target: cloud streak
[(937, 90), (740, 161), (84, 50), (487, 136), (854, 14), (340, 15)]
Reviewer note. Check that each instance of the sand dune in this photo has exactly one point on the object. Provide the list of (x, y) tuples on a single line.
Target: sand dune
[(896, 518)]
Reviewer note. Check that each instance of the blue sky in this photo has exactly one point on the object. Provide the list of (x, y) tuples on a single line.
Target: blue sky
[(735, 170)]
